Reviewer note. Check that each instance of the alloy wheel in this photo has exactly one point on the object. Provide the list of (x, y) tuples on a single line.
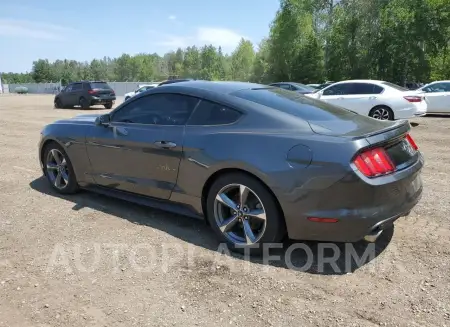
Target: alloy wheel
[(240, 214), (57, 169), (381, 114)]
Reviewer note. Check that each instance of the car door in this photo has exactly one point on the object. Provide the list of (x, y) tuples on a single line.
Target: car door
[(141, 148), (65, 95), (74, 94), (362, 97), (335, 94), (437, 97)]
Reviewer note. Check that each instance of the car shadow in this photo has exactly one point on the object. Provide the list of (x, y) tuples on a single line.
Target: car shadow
[(437, 116), (310, 257)]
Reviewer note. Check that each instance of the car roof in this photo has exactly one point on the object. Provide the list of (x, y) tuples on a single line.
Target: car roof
[(373, 81), (223, 87)]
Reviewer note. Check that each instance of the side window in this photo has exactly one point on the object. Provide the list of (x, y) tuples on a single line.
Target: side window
[(157, 109), (77, 86), (366, 88), (210, 113), (86, 86), (339, 89), (438, 87), (68, 88), (285, 86)]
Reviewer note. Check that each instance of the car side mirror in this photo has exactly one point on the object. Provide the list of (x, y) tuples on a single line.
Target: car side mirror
[(103, 120)]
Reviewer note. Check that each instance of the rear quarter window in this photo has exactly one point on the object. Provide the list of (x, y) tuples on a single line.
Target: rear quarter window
[(210, 113), (294, 104)]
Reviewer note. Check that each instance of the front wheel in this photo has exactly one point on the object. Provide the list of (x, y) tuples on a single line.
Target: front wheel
[(58, 104), (243, 213), (382, 113), (84, 103), (59, 170)]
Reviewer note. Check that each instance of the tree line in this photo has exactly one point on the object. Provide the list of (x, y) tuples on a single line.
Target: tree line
[(310, 41)]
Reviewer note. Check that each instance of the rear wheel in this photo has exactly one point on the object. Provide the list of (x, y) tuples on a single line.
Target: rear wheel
[(382, 113), (59, 170), (84, 103), (108, 105), (243, 213)]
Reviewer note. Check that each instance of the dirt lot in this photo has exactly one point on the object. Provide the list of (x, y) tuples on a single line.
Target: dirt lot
[(88, 260)]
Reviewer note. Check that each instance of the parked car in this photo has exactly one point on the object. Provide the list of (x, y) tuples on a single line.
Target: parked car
[(86, 94), (437, 96), (296, 87), (140, 89), (171, 81), (195, 148), (377, 99), (314, 86)]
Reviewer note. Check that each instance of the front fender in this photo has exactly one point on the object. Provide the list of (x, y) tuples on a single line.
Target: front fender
[(72, 138)]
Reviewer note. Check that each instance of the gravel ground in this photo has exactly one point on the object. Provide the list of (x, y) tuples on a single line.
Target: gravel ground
[(88, 260)]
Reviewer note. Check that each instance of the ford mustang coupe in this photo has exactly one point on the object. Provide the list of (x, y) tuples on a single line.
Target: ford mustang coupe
[(258, 163)]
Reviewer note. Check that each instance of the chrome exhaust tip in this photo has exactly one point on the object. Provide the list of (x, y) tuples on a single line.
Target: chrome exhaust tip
[(372, 237)]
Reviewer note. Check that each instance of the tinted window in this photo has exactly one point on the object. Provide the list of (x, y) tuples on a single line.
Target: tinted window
[(339, 89), (294, 104), (285, 86), (210, 113), (366, 88), (395, 86), (77, 86), (68, 88), (157, 109), (438, 87), (100, 85)]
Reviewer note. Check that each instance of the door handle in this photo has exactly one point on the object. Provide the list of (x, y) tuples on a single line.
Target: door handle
[(165, 144), (372, 98)]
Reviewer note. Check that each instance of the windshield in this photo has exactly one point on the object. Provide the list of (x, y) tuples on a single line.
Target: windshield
[(100, 85), (294, 104), (395, 86)]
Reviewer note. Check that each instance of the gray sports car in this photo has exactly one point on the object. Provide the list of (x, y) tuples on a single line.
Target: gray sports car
[(258, 162)]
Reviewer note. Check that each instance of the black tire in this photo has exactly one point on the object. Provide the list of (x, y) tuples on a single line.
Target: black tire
[(72, 185), (108, 105), (84, 103), (275, 228), (383, 111), (58, 104)]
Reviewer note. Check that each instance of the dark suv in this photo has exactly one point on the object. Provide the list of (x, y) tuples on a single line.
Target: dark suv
[(86, 94)]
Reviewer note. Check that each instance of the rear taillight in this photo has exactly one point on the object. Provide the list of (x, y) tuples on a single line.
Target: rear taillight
[(374, 162), (413, 98), (411, 142), (113, 93), (92, 92)]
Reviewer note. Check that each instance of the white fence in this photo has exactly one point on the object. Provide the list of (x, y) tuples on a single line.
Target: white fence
[(52, 88)]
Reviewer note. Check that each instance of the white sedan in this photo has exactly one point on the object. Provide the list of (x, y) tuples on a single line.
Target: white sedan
[(377, 99), (140, 89), (437, 96)]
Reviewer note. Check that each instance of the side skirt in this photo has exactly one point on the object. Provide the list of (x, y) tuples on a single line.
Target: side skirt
[(165, 205)]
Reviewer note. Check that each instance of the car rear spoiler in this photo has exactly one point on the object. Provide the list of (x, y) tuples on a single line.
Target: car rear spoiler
[(398, 129)]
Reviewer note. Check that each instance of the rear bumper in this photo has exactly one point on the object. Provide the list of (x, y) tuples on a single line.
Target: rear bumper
[(102, 100), (362, 210)]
